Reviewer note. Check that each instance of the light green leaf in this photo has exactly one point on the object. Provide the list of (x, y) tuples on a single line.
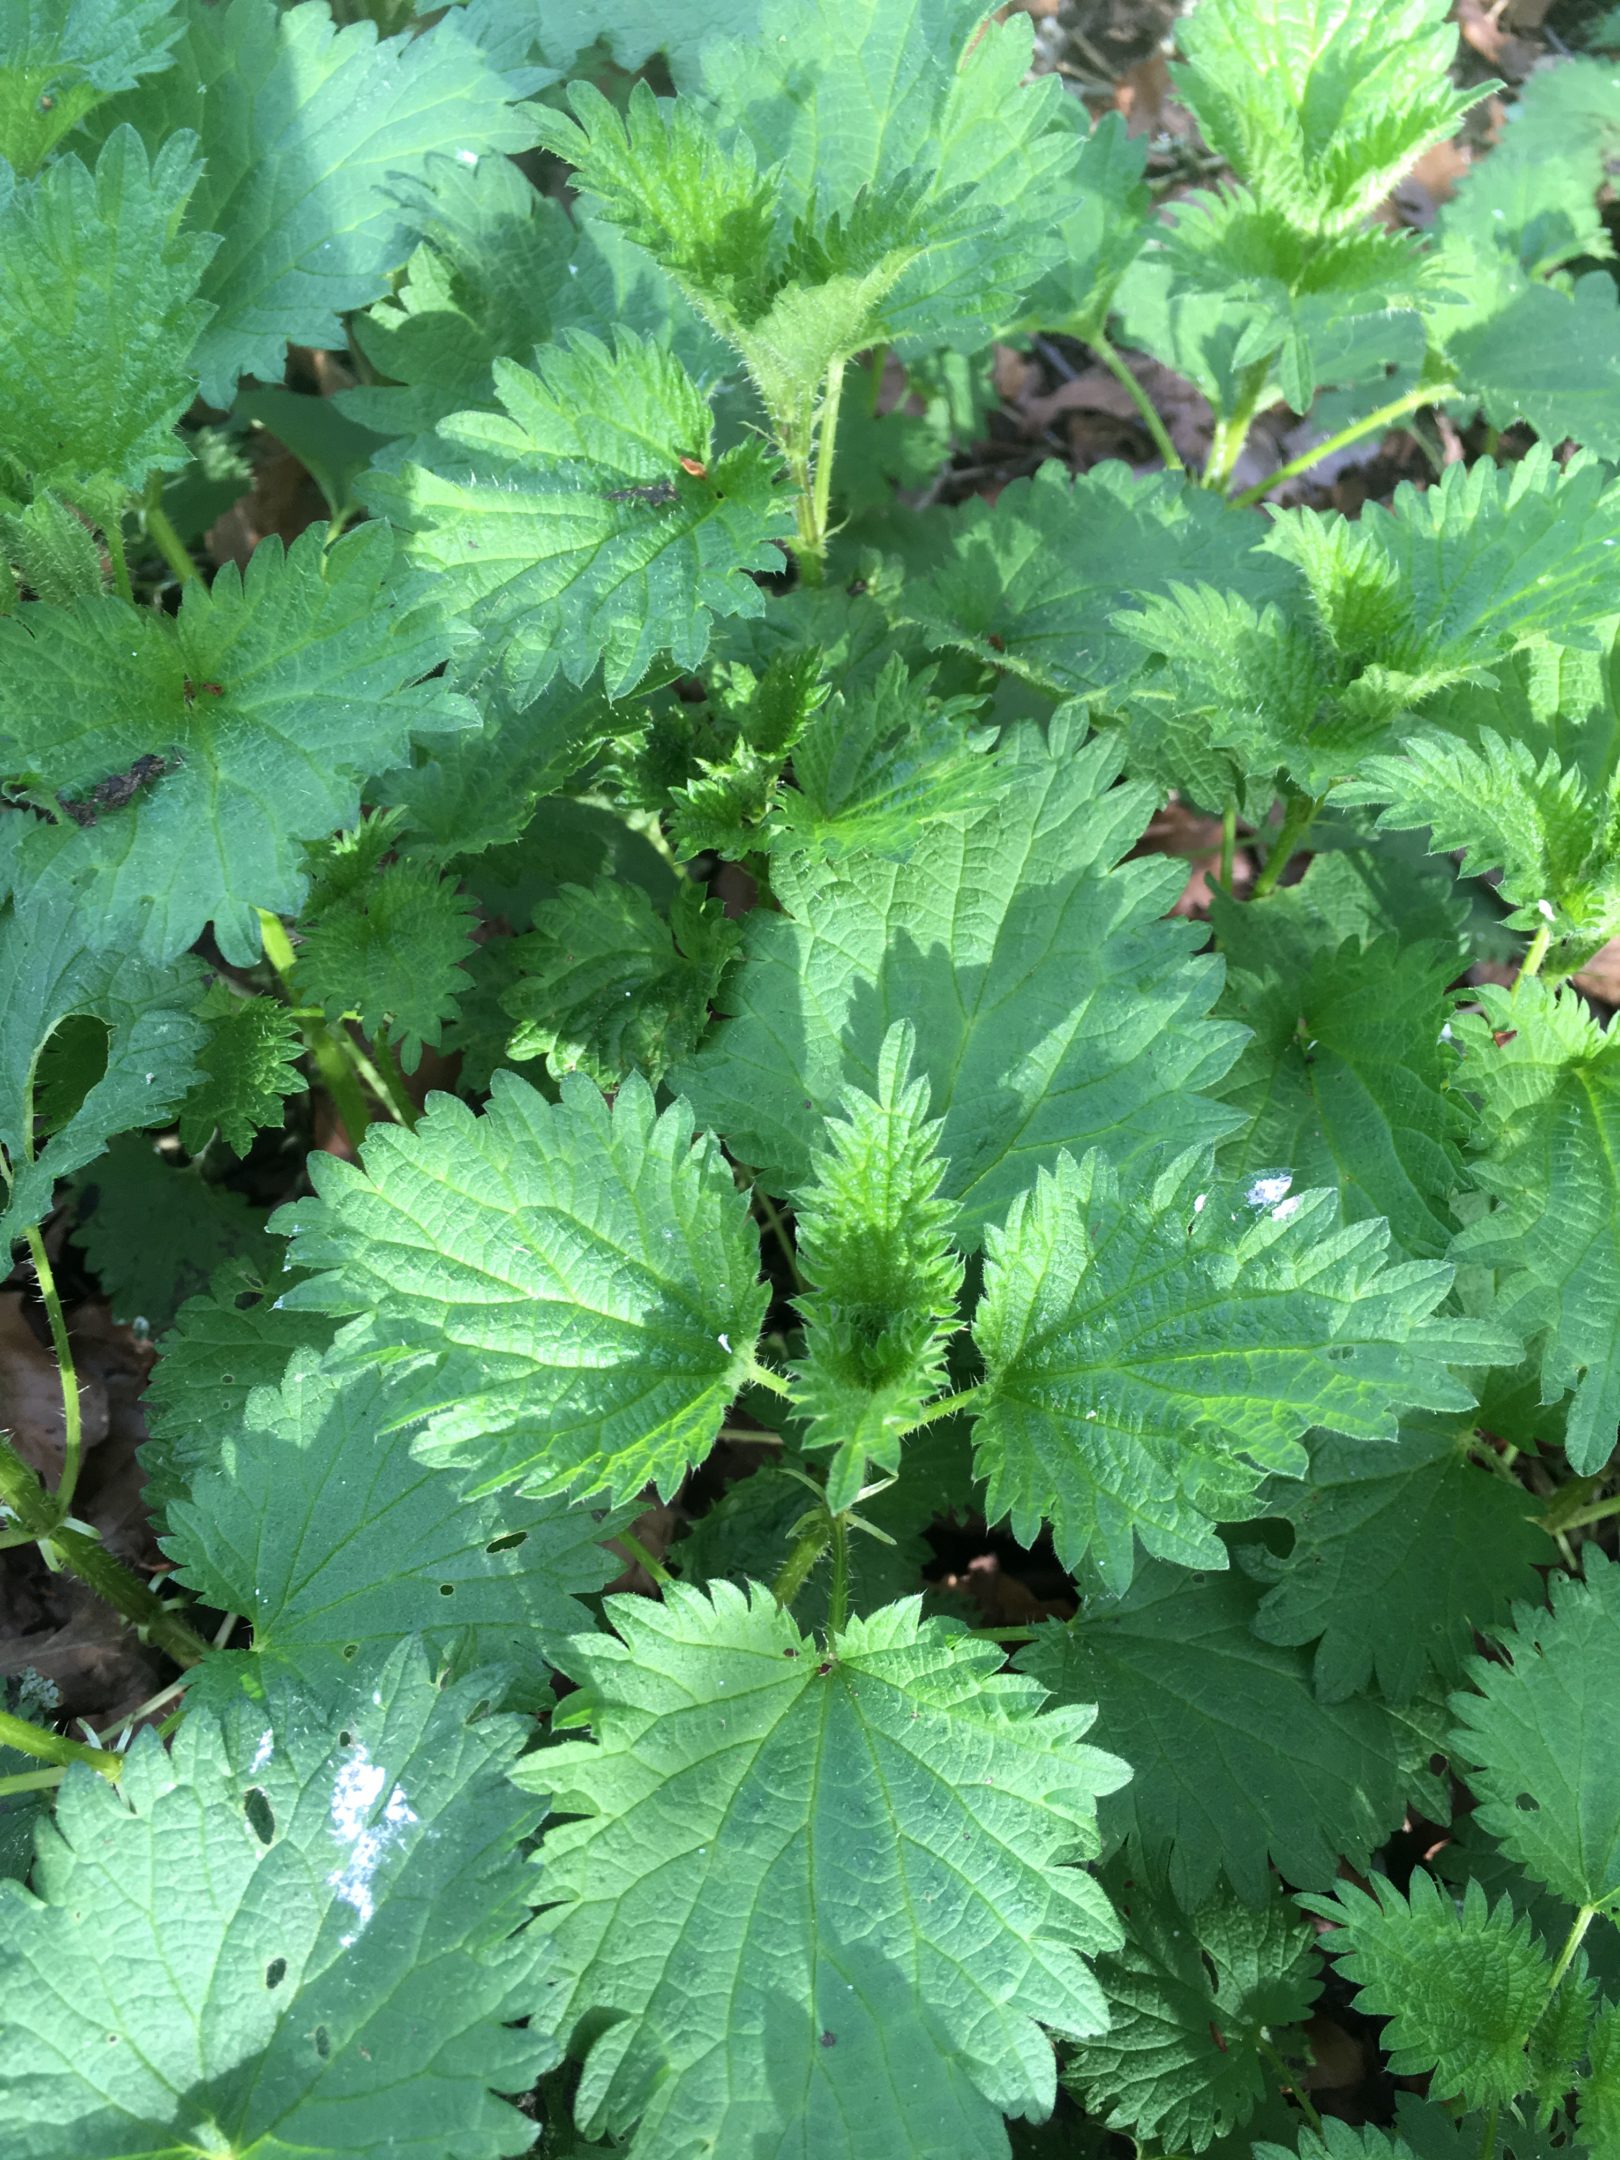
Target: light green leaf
[(262, 708), (817, 1901), (305, 131), (583, 1287), (249, 1066), (1399, 1554), (608, 985), (1460, 1982), (1150, 1355), (874, 769), (874, 1242), (133, 1054), (633, 30), (53, 552), (99, 313), (1548, 357), (566, 528), (319, 1526), (1032, 582), (1053, 1005), (1539, 1736), (62, 57), (1322, 106), (1191, 1996), (153, 1233), (350, 1972), (391, 951), (1101, 235), (1549, 1078), (1233, 1758)]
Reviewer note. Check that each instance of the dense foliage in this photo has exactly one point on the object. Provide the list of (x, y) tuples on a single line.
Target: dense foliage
[(825, 1087)]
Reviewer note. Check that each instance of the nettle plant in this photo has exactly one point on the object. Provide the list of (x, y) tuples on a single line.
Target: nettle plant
[(829, 1083)]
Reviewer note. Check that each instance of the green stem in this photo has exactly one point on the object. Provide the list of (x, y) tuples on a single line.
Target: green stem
[(1599, 1511), (1307, 2106), (160, 531), (334, 1070), (83, 1555), (944, 1406), (113, 533), (1290, 833), (1117, 366), (1396, 409), (762, 1376), (1487, 2143), (72, 1421), (812, 1543), (382, 1075), (1566, 1957), (1228, 846), (826, 447), (1232, 429), (643, 1558), (31, 1781), (50, 1747), (1531, 965), (838, 1596)]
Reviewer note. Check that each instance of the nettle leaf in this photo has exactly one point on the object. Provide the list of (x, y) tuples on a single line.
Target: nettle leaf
[(633, 30), (1539, 1735), (872, 771), (1191, 1995), (1150, 1356), (306, 130), (53, 552), (391, 952), (499, 269), (1535, 820), (583, 1286), (1461, 1982), (319, 1526), (1346, 1078), (1101, 235), (567, 529), (202, 749), (62, 57), (817, 1901), (365, 1892), (1053, 1004), (874, 1242), (238, 1337), (1233, 1758), (1399, 1555), (1532, 351), (609, 985), (249, 1066), (1032, 582), (1322, 108), (1551, 1093), (153, 1233), (99, 313), (127, 1038)]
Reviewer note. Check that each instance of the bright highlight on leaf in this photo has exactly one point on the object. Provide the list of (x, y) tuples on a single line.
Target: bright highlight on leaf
[(823, 1894)]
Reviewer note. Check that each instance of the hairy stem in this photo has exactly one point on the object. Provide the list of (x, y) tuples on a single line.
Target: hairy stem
[(1531, 964), (49, 1747), (643, 1558), (72, 1420), (1372, 424), (762, 1376), (944, 1406), (1291, 832), (1120, 368), (84, 1555), (334, 1070), (807, 1550), (826, 448), (1582, 1518), (1228, 846), (1290, 2081), (113, 533), (382, 1075), (160, 531), (1232, 429), (1566, 1957), (776, 1223), (838, 1596)]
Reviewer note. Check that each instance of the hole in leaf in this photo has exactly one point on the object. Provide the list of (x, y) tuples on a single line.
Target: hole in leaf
[(323, 2042), (510, 1543), (260, 1814), (1528, 1803), (275, 1972), (345, 1738), (447, 1589), (351, 1649)]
